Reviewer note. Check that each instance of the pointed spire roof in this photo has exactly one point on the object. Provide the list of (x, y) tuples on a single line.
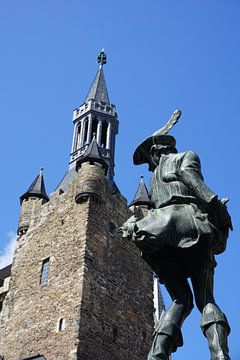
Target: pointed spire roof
[(92, 154), (141, 196), (98, 90), (37, 188)]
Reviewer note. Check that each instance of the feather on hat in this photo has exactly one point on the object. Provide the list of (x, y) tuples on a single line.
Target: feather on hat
[(142, 153)]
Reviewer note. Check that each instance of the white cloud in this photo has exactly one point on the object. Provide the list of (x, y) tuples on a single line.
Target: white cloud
[(8, 252)]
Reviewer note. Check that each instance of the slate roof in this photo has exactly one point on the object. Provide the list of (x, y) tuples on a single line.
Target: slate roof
[(37, 188), (68, 177), (4, 273), (114, 187), (92, 154), (98, 90), (141, 197)]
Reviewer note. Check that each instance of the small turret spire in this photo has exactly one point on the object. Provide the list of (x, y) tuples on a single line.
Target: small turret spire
[(92, 154), (36, 189), (141, 196)]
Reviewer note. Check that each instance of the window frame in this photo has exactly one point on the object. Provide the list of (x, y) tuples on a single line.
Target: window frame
[(44, 276)]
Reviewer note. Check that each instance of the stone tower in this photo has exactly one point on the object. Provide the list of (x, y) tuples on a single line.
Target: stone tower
[(77, 290)]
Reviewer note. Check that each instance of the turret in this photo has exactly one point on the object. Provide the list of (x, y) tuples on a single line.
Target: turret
[(92, 169), (31, 202), (93, 156), (141, 199)]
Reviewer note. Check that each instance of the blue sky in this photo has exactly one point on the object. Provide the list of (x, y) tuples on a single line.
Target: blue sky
[(162, 55)]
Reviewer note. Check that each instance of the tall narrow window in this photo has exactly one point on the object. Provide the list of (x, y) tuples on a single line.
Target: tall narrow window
[(104, 134), (61, 324), (44, 271), (1, 305), (85, 131), (111, 228), (78, 136), (94, 128), (115, 335)]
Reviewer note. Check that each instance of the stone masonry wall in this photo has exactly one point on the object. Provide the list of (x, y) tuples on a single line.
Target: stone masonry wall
[(31, 311), (30, 209), (117, 307), (97, 283)]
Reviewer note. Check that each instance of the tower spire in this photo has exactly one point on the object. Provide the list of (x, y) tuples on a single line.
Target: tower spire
[(98, 118), (98, 90)]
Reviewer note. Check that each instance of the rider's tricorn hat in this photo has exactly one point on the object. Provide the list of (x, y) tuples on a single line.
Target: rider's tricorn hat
[(160, 137)]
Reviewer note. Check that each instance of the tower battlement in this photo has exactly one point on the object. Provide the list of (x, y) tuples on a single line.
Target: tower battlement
[(94, 106)]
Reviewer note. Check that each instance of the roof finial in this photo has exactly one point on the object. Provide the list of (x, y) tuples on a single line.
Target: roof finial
[(102, 58), (41, 171)]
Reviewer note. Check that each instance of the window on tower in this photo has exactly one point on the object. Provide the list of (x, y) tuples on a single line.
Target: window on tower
[(104, 134), (94, 127), (111, 228), (85, 131), (1, 304), (77, 146), (115, 335), (44, 271), (61, 325)]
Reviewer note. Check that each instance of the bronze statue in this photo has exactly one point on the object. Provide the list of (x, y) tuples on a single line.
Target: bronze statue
[(184, 228)]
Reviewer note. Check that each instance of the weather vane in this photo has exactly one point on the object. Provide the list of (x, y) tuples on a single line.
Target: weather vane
[(102, 58)]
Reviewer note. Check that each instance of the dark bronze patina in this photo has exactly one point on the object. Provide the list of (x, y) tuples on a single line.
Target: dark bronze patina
[(186, 226)]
